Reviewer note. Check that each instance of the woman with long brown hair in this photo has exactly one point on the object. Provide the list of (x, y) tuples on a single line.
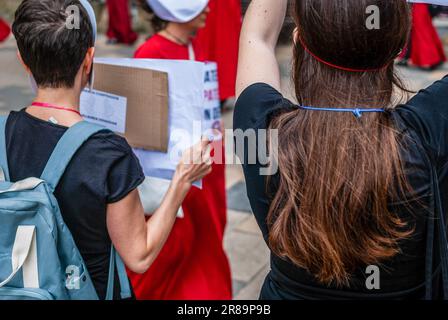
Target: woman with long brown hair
[(349, 214)]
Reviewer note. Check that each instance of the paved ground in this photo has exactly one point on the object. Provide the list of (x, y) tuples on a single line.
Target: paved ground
[(247, 252)]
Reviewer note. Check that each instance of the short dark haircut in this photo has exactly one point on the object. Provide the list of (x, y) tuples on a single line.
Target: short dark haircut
[(53, 52), (157, 23)]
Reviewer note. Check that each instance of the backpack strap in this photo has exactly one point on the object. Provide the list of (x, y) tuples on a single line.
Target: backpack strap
[(123, 277), (66, 148), (116, 261), (4, 172)]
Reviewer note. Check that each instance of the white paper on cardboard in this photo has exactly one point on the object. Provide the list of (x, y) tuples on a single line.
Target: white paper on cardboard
[(105, 109), (186, 102)]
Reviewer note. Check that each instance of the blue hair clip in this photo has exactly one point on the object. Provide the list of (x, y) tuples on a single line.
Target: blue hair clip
[(356, 112), (91, 13)]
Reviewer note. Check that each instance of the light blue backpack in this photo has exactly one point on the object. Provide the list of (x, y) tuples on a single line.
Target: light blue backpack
[(38, 256)]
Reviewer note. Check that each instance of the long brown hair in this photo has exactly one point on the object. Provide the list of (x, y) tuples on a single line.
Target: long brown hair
[(338, 173)]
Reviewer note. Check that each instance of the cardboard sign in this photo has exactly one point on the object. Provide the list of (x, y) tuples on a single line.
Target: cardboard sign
[(186, 88), (186, 108), (147, 111)]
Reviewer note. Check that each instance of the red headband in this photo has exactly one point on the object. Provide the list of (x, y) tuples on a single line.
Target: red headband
[(335, 66)]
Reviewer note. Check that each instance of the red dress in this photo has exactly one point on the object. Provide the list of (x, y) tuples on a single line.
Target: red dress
[(220, 41), (192, 264), (426, 48), (120, 24), (5, 30)]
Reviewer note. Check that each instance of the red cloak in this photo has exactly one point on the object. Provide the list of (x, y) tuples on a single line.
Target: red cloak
[(5, 30), (120, 24), (426, 47), (219, 41)]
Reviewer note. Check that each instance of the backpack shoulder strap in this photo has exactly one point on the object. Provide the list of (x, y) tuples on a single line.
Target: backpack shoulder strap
[(66, 148), (3, 155), (125, 288)]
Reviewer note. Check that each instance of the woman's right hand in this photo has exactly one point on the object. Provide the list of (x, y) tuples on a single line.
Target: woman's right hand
[(195, 164)]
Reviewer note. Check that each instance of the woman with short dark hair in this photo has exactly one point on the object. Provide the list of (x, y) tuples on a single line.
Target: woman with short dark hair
[(350, 212), (97, 194)]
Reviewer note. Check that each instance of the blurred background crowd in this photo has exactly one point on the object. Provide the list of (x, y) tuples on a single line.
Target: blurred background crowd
[(125, 26), (125, 22)]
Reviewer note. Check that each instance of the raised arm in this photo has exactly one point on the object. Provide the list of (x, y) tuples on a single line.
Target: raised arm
[(261, 28)]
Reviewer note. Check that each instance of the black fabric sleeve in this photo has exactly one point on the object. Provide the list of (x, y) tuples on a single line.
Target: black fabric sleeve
[(125, 174), (256, 104), (427, 114), (253, 110)]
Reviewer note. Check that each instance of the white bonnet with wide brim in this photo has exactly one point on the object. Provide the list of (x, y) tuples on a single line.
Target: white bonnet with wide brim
[(180, 11)]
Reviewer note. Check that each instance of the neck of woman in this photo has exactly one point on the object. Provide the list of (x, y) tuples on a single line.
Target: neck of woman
[(61, 97), (179, 33), (64, 99)]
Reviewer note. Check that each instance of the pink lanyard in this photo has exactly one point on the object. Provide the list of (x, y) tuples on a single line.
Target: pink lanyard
[(49, 106)]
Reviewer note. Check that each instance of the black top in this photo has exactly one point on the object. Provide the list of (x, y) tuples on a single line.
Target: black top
[(103, 171), (425, 120)]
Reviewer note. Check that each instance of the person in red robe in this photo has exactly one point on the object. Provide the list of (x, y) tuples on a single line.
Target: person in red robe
[(5, 30), (193, 264), (425, 49), (120, 23), (219, 41)]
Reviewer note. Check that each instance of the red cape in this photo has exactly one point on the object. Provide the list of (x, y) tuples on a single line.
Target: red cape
[(120, 24), (426, 48), (220, 41), (5, 30)]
